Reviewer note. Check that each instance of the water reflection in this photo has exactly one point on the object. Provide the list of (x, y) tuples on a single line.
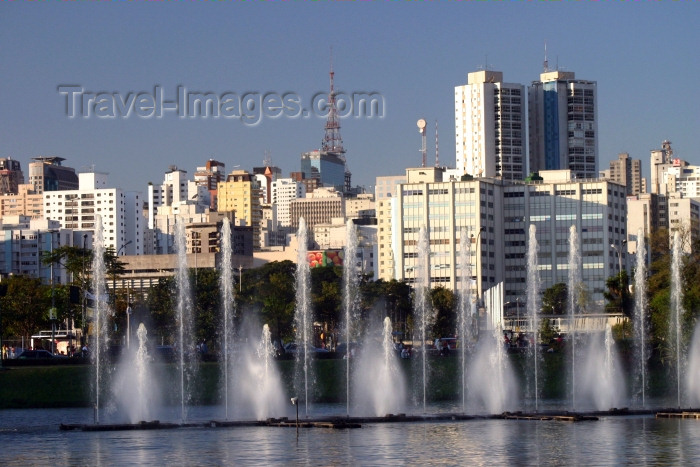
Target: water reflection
[(32, 437)]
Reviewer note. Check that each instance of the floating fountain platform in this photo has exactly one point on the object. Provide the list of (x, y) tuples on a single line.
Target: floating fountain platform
[(336, 422)]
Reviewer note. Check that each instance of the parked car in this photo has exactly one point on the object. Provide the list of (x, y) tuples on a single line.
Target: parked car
[(292, 348), (36, 354)]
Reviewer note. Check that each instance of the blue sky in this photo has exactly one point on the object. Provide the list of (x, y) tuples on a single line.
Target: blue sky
[(643, 54)]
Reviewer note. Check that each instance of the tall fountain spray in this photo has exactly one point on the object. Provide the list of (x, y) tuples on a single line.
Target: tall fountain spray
[(135, 389), (574, 286), (533, 307), (378, 385), (257, 378), (692, 375), (188, 360), (601, 383), (351, 298), (492, 381), (640, 316), (228, 302), (465, 307), (676, 310), (421, 308), (303, 320), (101, 311)]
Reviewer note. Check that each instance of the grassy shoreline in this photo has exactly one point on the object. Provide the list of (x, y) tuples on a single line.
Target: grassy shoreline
[(72, 385)]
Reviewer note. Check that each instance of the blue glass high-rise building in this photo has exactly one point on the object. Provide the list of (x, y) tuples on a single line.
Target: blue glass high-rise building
[(563, 124)]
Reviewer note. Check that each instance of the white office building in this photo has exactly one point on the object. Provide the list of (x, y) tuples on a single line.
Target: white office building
[(496, 215), (175, 189), (490, 125), (121, 212), (284, 191)]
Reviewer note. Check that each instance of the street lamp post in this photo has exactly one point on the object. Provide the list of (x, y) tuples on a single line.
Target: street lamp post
[(128, 326), (240, 278)]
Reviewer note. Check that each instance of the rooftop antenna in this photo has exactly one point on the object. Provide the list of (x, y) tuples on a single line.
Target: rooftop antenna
[(267, 160), (437, 151), (546, 62), (332, 141), (421, 129)]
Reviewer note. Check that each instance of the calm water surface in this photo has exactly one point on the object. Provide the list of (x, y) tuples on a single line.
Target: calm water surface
[(32, 437)]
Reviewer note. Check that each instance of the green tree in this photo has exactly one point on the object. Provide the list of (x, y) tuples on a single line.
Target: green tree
[(443, 302), (25, 308), (271, 290), (618, 299), (554, 299), (326, 287), (162, 305), (208, 310), (399, 305)]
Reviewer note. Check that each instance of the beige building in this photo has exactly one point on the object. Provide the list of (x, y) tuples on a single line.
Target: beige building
[(319, 207), (360, 207), (240, 193), (650, 212), (25, 202), (627, 171)]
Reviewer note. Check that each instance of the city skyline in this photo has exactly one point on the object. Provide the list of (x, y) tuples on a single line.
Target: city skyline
[(287, 50)]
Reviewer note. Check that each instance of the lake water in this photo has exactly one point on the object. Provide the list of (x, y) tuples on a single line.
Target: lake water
[(32, 437)]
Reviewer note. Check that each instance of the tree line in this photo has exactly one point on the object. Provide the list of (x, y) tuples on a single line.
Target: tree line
[(267, 295)]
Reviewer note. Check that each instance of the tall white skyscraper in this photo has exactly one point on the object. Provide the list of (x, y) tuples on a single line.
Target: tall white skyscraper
[(563, 124), (489, 127), (284, 191)]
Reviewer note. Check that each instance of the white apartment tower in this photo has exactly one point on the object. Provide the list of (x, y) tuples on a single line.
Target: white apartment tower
[(490, 127), (174, 190), (563, 124), (121, 212), (284, 191)]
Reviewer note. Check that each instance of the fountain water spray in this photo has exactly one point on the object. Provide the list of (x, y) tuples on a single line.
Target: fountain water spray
[(303, 320), (351, 298), (692, 376), (676, 310), (378, 384), (533, 306), (258, 382), (101, 311), (136, 389), (228, 301), (640, 318), (601, 381), (574, 286), (465, 307), (492, 382), (188, 361), (422, 288)]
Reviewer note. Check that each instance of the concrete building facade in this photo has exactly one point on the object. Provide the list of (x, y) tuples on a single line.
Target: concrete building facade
[(121, 212), (49, 174), (490, 124), (240, 193), (24, 202), (563, 124), (496, 216), (319, 207)]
